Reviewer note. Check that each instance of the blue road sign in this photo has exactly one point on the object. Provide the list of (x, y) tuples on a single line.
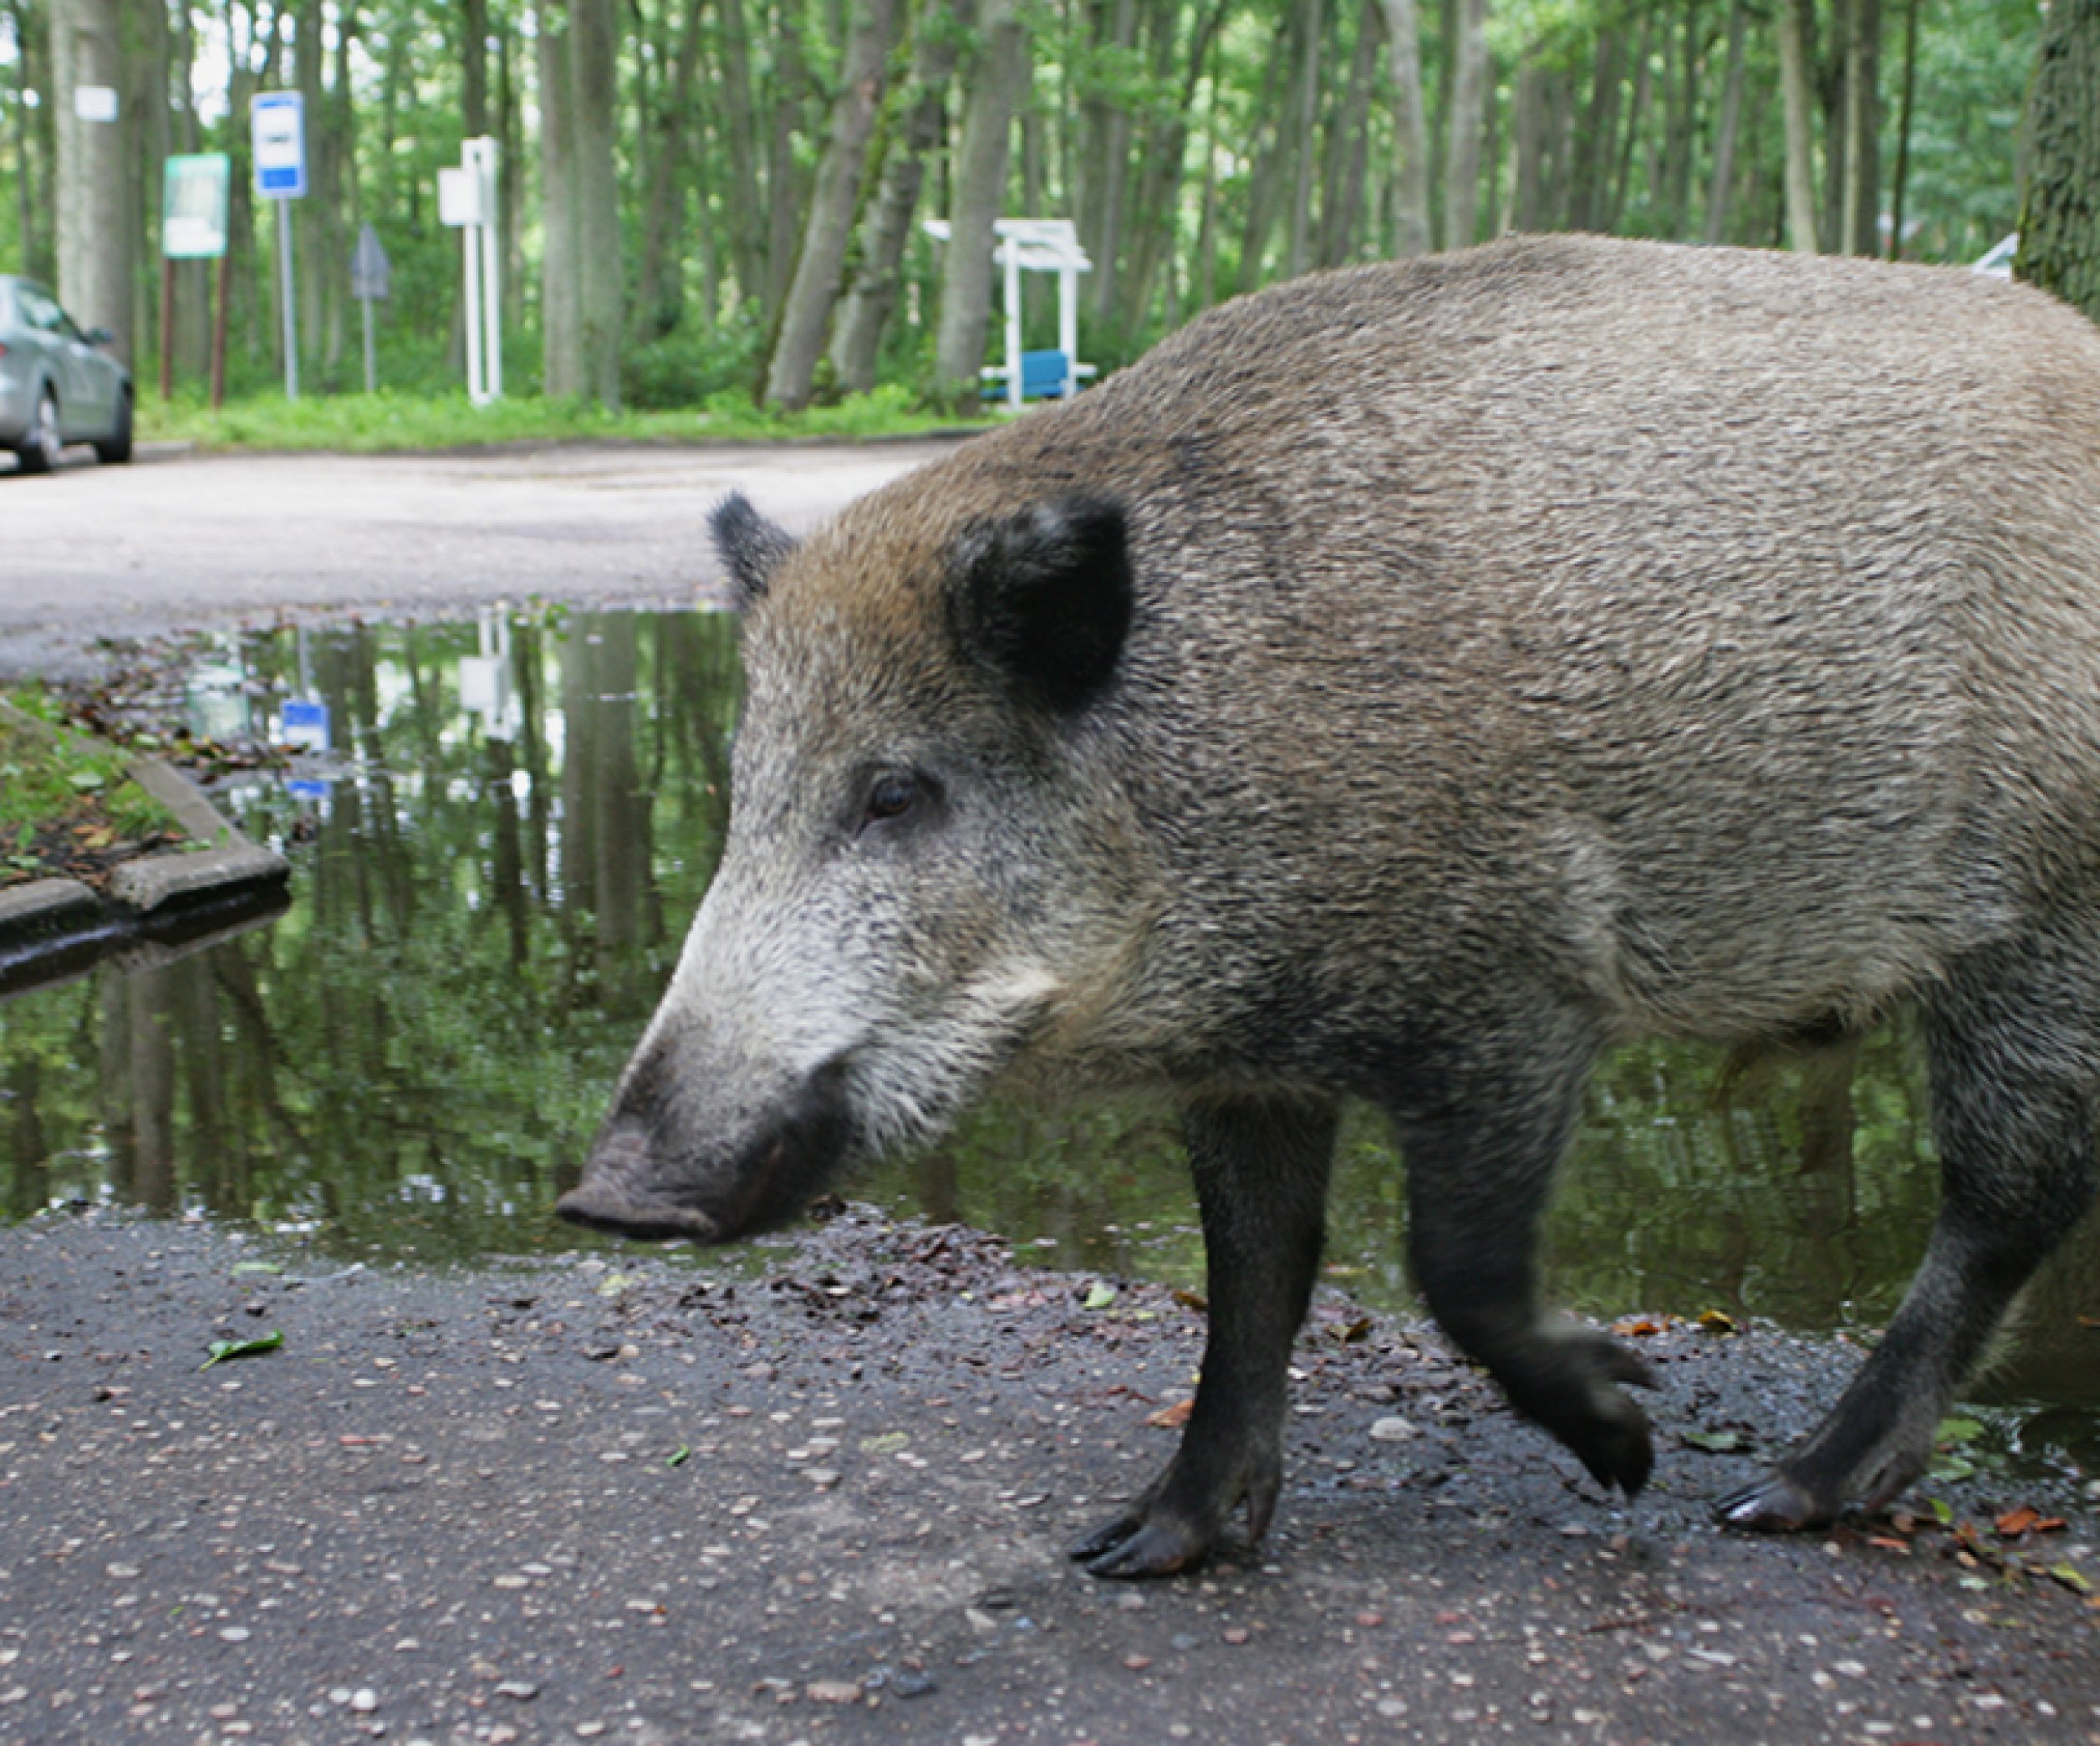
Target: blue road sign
[(277, 128)]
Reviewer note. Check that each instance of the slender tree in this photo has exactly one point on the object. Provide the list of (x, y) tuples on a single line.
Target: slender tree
[(2060, 216), (857, 334), (1794, 93), (994, 85), (1469, 101), (815, 288)]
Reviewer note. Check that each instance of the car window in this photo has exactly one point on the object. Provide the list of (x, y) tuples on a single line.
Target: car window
[(39, 312)]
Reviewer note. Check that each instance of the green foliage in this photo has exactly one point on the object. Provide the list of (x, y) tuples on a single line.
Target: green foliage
[(387, 421), (690, 366), (52, 776)]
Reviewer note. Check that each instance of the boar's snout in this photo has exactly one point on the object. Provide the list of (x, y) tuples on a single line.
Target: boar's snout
[(661, 1167)]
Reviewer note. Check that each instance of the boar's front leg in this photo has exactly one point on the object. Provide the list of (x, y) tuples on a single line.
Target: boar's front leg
[(1478, 1175), (1260, 1168)]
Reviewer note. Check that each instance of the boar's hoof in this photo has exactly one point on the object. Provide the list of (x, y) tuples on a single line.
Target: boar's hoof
[(597, 1204), (1128, 1547), (1774, 1505), (1575, 1395)]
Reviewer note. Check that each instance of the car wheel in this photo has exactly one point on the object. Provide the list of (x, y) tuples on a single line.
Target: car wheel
[(117, 446), (42, 445)]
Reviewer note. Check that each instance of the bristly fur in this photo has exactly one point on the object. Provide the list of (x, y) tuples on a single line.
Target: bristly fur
[(752, 548)]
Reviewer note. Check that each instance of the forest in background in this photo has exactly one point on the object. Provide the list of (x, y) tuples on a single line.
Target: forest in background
[(710, 197)]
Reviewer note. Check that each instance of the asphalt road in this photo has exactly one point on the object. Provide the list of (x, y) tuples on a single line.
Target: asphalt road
[(614, 1498), (179, 541)]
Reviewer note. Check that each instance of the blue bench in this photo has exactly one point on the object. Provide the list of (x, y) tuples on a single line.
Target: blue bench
[(1043, 375)]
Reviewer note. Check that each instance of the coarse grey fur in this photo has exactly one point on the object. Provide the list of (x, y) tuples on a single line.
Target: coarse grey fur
[(1402, 684)]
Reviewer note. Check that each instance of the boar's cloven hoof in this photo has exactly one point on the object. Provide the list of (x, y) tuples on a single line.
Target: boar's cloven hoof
[(603, 1208)]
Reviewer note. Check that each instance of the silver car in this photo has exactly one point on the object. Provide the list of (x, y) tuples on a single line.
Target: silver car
[(56, 385)]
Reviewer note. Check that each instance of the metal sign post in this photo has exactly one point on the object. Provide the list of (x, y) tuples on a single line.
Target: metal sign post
[(372, 279), (466, 201), (277, 127)]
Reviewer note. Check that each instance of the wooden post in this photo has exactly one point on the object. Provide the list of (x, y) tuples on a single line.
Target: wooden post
[(167, 328), (218, 339)]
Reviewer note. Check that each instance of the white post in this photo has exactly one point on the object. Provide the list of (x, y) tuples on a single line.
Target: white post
[(477, 390), (1010, 254), (1068, 326), (482, 157)]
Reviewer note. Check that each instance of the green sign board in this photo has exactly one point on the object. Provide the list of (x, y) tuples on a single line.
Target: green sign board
[(193, 207)]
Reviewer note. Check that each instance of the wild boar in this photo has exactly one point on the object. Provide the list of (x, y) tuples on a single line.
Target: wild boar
[(1402, 684)]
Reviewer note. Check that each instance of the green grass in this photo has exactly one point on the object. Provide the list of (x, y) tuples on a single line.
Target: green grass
[(373, 423), (61, 790)]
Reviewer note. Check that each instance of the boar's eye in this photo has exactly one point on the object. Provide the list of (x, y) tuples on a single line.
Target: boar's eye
[(895, 794)]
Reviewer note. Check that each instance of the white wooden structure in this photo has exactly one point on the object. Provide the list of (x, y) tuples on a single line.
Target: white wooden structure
[(1037, 245)]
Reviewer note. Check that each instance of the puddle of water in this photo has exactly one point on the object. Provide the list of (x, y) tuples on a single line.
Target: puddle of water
[(499, 831)]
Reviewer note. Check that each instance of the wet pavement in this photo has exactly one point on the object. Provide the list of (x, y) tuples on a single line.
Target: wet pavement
[(177, 541), (581, 1499)]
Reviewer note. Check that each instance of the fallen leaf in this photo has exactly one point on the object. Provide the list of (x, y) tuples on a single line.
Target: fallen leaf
[(1713, 1442), (1172, 1418), (1717, 1321), (222, 1350), (1888, 1543), (1638, 1329), (2071, 1577), (1100, 1295), (2014, 1522)]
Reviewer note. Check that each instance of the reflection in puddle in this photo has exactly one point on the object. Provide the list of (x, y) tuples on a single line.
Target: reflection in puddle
[(499, 831)]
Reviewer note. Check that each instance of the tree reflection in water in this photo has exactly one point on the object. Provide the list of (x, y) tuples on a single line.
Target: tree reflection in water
[(494, 869)]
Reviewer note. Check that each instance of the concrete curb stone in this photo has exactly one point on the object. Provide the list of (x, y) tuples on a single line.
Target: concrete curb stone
[(49, 926)]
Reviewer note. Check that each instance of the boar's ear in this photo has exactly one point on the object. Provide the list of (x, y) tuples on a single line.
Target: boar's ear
[(1043, 597), (750, 548)]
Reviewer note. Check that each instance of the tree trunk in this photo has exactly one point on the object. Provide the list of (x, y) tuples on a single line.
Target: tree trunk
[(2060, 216), (1267, 150), (561, 259), (807, 313), (856, 344), (656, 298), (1793, 89), (474, 67), (1469, 100), (1590, 170), (1681, 106), (95, 222), (593, 64), (1107, 172), (1528, 181), (1160, 187), (994, 84), (1342, 199), (1731, 111), (1410, 133), (35, 146), (1305, 114), (1861, 231), (746, 206), (784, 176), (1903, 131)]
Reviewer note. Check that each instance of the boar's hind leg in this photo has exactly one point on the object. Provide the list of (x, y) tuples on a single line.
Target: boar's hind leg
[(1478, 1180), (2014, 1058), (1261, 1169)]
